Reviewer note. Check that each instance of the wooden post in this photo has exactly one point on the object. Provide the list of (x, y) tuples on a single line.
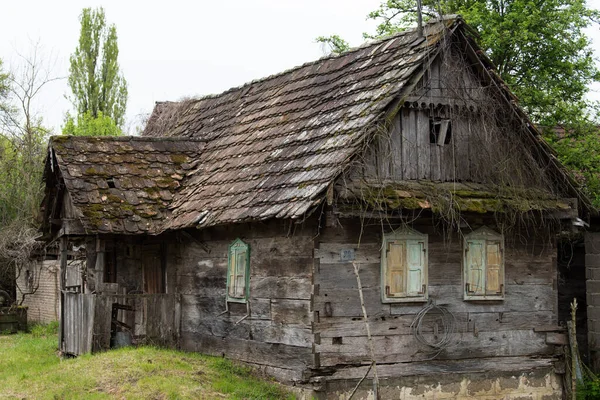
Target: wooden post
[(63, 247), (576, 372)]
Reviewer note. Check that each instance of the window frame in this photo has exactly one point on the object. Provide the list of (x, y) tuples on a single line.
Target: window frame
[(486, 235), (406, 235), (233, 246)]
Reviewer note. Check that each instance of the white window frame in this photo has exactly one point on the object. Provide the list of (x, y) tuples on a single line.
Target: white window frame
[(485, 235), (407, 236)]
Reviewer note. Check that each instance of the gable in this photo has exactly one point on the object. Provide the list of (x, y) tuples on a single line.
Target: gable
[(456, 127)]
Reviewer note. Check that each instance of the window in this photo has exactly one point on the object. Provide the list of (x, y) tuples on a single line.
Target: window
[(440, 131), (404, 266), (483, 265), (238, 267)]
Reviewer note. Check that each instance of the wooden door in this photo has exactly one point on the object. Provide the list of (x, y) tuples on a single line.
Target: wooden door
[(154, 276)]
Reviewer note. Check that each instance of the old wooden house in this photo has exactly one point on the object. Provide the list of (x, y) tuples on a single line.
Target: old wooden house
[(388, 212)]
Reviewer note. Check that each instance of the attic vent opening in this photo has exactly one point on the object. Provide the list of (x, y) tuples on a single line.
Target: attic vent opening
[(440, 131), (110, 182)]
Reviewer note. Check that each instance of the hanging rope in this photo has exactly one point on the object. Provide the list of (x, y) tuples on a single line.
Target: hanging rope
[(442, 338)]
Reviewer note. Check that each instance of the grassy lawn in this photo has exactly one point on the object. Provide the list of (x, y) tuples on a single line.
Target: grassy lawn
[(31, 369)]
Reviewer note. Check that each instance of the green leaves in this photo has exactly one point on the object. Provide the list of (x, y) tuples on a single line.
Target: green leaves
[(334, 44), (88, 125), (95, 79)]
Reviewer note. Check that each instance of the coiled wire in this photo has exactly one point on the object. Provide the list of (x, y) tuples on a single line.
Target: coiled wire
[(442, 339)]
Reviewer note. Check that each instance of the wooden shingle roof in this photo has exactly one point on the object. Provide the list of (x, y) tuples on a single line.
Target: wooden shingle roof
[(274, 146), (122, 184)]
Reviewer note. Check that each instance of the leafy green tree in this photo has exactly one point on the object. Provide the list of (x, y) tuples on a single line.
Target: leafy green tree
[(539, 48), (22, 151), (95, 79), (87, 125), (334, 43)]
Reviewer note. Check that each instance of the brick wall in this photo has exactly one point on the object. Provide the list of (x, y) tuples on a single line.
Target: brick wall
[(44, 302), (592, 275)]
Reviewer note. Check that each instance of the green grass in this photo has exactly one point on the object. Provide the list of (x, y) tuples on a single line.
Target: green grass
[(31, 369)]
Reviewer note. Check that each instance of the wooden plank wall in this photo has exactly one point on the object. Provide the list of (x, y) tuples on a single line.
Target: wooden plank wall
[(155, 318), (479, 149), (276, 335), (78, 323), (484, 329)]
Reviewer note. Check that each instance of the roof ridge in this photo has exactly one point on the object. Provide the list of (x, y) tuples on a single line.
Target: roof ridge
[(331, 56), (59, 138)]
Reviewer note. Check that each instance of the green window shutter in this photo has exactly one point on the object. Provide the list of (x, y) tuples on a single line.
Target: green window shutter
[(231, 273), (475, 268), (494, 282), (237, 271), (240, 272), (416, 267), (395, 268)]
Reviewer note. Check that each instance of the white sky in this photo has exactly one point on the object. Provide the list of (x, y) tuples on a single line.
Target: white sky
[(169, 50)]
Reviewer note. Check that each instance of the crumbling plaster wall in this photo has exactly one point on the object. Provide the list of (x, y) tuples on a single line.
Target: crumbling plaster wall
[(533, 385), (44, 302)]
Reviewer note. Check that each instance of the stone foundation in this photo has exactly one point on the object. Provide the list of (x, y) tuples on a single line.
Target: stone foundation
[(534, 385)]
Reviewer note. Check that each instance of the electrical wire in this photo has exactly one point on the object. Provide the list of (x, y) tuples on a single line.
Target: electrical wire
[(441, 340)]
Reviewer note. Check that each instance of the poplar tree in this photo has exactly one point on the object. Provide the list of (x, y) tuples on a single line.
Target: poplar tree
[(97, 84)]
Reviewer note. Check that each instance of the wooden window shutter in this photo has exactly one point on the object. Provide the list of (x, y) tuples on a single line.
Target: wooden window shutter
[(494, 284), (240, 272), (237, 271), (416, 267), (231, 272), (475, 267), (396, 267)]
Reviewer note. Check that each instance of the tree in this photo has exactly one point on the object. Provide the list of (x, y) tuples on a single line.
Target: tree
[(87, 125), (539, 48), (22, 151), (95, 79)]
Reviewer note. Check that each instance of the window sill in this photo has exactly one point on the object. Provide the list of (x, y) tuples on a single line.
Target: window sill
[(484, 298), (421, 299), (234, 300)]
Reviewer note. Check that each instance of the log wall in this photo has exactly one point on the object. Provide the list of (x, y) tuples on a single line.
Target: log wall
[(484, 329), (273, 331)]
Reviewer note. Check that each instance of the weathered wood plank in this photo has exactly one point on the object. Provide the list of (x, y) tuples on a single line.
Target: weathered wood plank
[(296, 312), (341, 276), (439, 367), (364, 253), (461, 136), (405, 348), (423, 146), (346, 303), (253, 351), (401, 324), (278, 287), (396, 147), (250, 329), (409, 144)]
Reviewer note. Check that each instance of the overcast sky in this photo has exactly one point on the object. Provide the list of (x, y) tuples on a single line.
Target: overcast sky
[(174, 49)]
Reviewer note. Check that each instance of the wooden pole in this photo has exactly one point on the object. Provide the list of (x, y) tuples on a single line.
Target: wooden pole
[(576, 370), (366, 319), (419, 18)]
